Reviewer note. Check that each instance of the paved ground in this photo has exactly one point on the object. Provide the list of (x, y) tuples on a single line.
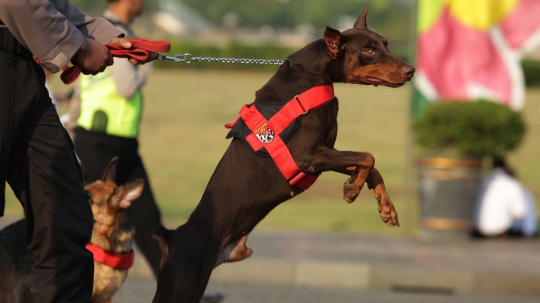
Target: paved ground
[(484, 255), (141, 290), (371, 267)]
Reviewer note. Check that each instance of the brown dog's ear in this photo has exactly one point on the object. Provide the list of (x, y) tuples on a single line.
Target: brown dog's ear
[(334, 42), (162, 236), (109, 176), (128, 192), (361, 22)]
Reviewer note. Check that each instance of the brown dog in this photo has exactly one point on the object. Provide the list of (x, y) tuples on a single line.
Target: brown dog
[(112, 240), (245, 186)]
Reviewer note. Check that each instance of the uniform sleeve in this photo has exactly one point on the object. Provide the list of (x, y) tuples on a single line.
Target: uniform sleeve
[(129, 78), (56, 30)]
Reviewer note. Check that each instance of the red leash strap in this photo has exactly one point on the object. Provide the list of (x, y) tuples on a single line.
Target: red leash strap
[(140, 50), (112, 259), (277, 149)]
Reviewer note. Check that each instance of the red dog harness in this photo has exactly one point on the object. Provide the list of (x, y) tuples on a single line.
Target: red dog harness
[(112, 259), (140, 50), (265, 133)]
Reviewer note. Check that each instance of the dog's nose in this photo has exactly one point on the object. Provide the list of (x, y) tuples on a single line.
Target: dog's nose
[(408, 70)]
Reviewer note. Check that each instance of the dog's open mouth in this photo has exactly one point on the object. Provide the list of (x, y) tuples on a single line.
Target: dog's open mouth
[(377, 81)]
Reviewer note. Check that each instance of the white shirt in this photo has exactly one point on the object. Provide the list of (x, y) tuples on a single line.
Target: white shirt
[(501, 202)]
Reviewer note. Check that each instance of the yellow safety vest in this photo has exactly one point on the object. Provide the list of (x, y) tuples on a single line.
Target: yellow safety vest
[(105, 111)]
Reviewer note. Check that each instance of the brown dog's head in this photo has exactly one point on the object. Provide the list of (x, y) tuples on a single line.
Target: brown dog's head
[(361, 56), (109, 204)]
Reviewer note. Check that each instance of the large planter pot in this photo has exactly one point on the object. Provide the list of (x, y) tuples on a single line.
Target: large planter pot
[(448, 190)]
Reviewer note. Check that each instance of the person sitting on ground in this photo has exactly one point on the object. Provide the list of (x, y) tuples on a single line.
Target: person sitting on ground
[(501, 203), (528, 225)]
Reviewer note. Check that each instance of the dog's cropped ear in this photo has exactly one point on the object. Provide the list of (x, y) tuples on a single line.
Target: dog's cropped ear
[(129, 192), (109, 175), (334, 41), (361, 22), (163, 237)]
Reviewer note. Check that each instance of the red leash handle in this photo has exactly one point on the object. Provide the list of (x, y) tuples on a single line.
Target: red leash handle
[(140, 50)]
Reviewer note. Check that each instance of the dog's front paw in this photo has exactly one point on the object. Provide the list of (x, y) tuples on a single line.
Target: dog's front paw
[(387, 212), (350, 191)]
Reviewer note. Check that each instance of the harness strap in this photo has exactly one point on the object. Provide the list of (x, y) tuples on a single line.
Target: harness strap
[(140, 51), (112, 259), (277, 149)]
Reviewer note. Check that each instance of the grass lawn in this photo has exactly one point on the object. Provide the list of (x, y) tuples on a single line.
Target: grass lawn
[(183, 138)]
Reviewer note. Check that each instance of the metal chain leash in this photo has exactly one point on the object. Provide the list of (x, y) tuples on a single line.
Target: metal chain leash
[(188, 58)]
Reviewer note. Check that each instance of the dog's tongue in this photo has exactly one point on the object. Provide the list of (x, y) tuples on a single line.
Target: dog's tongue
[(374, 79)]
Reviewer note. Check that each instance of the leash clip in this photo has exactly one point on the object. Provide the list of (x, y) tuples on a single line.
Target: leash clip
[(186, 58)]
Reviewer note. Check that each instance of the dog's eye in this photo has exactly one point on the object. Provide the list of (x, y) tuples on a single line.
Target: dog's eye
[(368, 51)]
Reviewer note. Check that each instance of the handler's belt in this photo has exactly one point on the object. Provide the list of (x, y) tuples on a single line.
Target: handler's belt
[(112, 259), (265, 133)]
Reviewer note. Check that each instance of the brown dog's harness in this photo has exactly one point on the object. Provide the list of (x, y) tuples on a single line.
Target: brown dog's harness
[(264, 133), (112, 259)]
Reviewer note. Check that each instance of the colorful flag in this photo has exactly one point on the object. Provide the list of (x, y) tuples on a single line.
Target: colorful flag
[(471, 49)]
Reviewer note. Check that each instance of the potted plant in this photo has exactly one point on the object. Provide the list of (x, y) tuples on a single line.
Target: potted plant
[(454, 138)]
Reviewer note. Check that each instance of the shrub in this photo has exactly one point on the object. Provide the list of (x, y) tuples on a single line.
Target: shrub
[(531, 70), (472, 129)]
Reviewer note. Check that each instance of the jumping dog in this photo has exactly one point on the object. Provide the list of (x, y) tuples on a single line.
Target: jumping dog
[(245, 186)]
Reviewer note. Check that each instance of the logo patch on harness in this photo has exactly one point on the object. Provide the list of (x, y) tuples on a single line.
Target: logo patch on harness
[(264, 133)]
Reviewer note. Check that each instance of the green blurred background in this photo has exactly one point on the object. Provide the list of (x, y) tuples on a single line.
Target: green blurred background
[(183, 138), (186, 106)]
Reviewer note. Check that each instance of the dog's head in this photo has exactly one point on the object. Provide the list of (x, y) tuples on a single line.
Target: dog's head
[(110, 204), (361, 56)]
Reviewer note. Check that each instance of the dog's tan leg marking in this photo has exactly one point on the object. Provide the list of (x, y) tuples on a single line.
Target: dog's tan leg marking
[(387, 212), (241, 251), (353, 186), (164, 249)]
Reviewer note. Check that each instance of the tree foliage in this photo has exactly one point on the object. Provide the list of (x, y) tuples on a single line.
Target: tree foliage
[(391, 18)]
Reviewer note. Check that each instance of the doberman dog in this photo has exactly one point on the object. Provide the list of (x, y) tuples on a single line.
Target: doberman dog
[(245, 187)]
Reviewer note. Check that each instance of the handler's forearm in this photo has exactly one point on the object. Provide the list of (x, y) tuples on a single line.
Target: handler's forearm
[(49, 28)]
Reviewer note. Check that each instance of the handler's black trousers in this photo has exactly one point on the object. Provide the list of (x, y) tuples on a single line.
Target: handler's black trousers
[(96, 151), (37, 160)]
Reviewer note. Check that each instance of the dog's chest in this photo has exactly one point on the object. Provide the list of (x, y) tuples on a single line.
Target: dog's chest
[(107, 281), (265, 134)]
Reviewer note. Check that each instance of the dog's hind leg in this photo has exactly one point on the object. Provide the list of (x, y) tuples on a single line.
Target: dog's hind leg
[(240, 251), (234, 252)]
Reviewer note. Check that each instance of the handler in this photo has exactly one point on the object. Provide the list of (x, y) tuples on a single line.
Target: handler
[(36, 154)]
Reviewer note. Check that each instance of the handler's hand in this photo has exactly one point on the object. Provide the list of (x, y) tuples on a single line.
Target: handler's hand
[(93, 57), (124, 43)]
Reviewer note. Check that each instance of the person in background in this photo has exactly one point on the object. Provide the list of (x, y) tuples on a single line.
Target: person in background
[(528, 225), (36, 154), (110, 107), (501, 203)]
